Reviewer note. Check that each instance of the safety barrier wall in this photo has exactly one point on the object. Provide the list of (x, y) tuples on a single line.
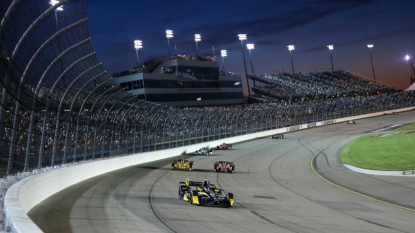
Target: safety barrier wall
[(27, 193)]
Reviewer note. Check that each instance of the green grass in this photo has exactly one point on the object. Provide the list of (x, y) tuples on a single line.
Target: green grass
[(407, 127), (389, 153)]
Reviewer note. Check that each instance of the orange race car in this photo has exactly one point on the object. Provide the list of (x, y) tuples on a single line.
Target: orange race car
[(224, 146)]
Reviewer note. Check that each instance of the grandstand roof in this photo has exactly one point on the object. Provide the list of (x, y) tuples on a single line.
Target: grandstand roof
[(47, 47)]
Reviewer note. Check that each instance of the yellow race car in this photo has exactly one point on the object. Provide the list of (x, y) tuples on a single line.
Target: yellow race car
[(182, 164)]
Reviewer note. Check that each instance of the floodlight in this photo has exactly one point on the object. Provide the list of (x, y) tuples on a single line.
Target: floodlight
[(370, 46), (169, 34), (290, 47), (54, 2), (242, 37), (407, 57), (198, 37), (138, 44), (223, 53), (331, 47), (250, 46)]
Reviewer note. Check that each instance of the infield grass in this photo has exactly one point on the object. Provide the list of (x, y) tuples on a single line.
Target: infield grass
[(385, 152), (407, 127)]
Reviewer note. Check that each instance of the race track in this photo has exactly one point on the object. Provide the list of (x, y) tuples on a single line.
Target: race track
[(275, 188)]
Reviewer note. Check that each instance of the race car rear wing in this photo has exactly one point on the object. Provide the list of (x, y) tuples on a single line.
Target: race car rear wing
[(192, 183)]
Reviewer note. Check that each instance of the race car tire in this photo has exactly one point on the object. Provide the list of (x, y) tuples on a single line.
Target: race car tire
[(232, 170)]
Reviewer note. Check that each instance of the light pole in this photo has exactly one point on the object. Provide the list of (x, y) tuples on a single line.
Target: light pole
[(331, 47), (138, 44), (408, 58), (198, 38), (243, 37), (169, 34), (370, 46), (291, 48), (54, 2), (223, 53), (250, 47)]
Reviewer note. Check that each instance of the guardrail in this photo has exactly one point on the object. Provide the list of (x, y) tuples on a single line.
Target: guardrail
[(27, 193)]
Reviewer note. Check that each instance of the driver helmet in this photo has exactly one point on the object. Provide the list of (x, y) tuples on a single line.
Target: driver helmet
[(206, 183)]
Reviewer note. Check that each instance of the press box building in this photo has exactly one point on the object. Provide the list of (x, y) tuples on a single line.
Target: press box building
[(183, 82)]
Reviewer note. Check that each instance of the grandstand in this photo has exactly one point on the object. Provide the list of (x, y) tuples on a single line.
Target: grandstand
[(58, 105), (315, 86)]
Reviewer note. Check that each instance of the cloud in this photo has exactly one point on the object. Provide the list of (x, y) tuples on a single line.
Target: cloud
[(366, 39), (272, 19), (380, 36)]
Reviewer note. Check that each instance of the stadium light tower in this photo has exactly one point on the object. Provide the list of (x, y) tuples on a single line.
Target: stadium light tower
[(223, 53), (291, 48), (250, 47), (54, 2), (331, 47), (408, 58), (138, 44), (198, 38), (243, 37), (370, 46), (169, 34)]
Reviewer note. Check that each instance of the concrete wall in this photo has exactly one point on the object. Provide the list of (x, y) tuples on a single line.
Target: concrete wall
[(24, 195)]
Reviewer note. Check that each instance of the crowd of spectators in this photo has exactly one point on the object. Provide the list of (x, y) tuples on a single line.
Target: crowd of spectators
[(316, 85), (193, 57)]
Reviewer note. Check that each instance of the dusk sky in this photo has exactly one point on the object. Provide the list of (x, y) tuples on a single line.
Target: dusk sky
[(271, 25)]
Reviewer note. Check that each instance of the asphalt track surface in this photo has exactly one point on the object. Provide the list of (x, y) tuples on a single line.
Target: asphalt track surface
[(275, 188)]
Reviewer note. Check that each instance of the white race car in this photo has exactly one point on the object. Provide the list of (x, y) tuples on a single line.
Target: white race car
[(204, 151)]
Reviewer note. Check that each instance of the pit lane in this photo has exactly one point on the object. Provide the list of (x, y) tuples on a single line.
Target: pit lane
[(274, 186)]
